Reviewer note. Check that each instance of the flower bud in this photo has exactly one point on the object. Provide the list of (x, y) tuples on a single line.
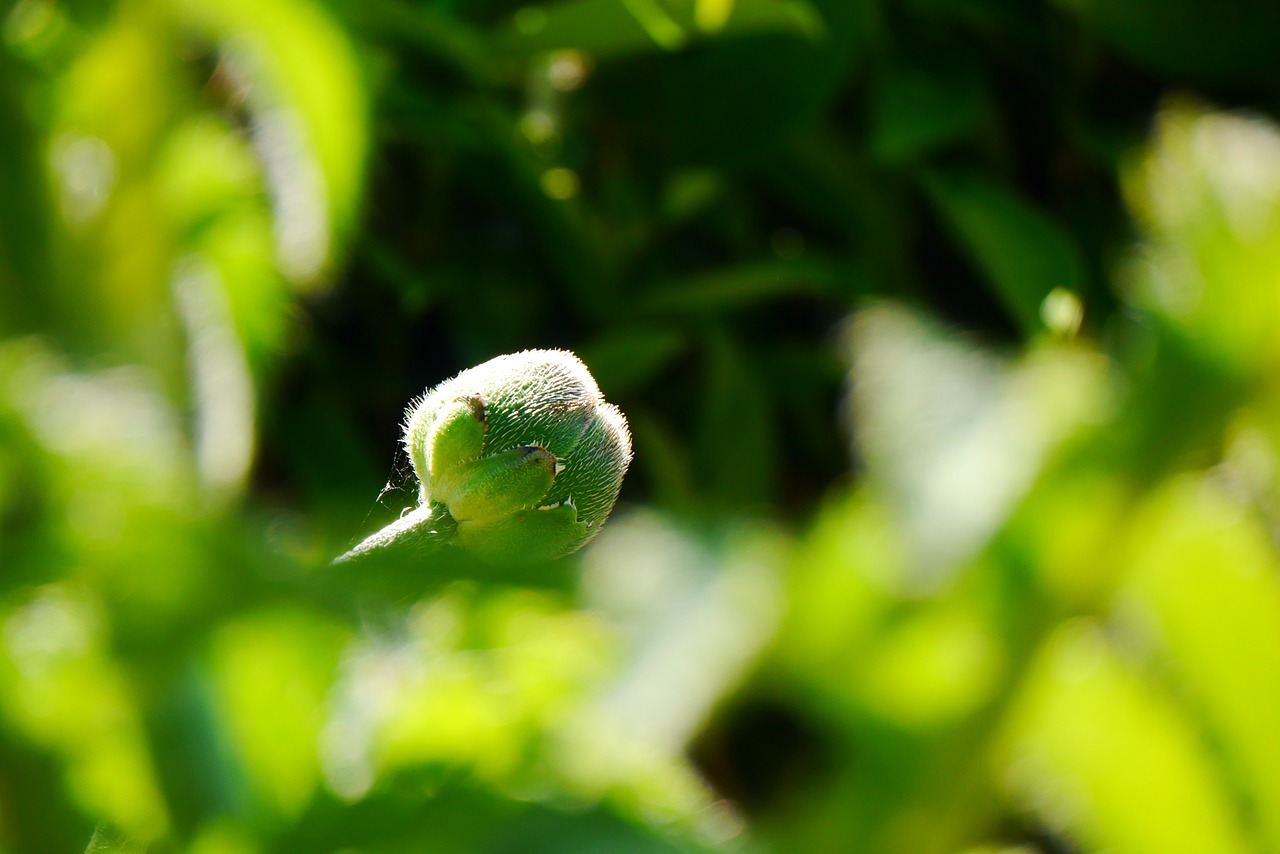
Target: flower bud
[(521, 452)]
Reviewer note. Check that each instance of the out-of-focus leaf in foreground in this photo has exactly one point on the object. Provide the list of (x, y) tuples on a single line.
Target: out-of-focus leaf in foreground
[(1209, 195), (298, 74), (1098, 748), (955, 435)]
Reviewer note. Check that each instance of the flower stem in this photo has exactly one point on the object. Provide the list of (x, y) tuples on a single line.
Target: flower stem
[(426, 528)]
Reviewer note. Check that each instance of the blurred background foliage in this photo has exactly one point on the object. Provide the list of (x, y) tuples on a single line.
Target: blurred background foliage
[(946, 330)]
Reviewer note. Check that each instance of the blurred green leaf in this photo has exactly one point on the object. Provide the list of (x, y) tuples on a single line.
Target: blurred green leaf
[(919, 107), (750, 285), (1022, 252), (606, 30), (1208, 193), (737, 442), (283, 662), (933, 667), (108, 840), (664, 458), (841, 589), (1093, 747), (763, 88), (1206, 588), (955, 435), (422, 30), (25, 262), (302, 81), (61, 690), (1215, 42), (624, 360)]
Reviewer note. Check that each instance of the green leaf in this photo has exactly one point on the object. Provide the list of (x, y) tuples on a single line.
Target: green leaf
[(613, 29), (953, 435), (629, 358), (919, 106), (25, 256), (1095, 748), (1024, 253), (1208, 196), (423, 31), (763, 87), (750, 285), (304, 86), (664, 458), (736, 441), (271, 674), (1217, 42), (1206, 590)]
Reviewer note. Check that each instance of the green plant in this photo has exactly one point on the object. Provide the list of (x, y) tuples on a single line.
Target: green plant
[(1022, 594), (517, 459)]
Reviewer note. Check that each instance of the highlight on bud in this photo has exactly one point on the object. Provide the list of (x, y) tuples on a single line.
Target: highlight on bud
[(518, 458)]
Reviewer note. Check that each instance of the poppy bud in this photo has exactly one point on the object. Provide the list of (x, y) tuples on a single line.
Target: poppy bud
[(521, 453)]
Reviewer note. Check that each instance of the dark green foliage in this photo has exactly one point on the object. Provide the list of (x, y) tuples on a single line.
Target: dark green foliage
[(946, 331)]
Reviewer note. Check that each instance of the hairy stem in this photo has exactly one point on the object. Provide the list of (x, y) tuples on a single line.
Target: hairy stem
[(426, 528)]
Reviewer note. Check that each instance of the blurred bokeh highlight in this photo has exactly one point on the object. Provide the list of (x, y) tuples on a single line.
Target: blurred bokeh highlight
[(948, 331)]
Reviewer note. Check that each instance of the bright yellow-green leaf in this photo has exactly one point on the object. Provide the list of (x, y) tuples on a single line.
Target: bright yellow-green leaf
[(273, 671), (303, 83), (1098, 750), (1206, 583), (1208, 194)]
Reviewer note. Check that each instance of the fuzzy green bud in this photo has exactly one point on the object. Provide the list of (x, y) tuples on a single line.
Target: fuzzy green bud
[(522, 453)]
